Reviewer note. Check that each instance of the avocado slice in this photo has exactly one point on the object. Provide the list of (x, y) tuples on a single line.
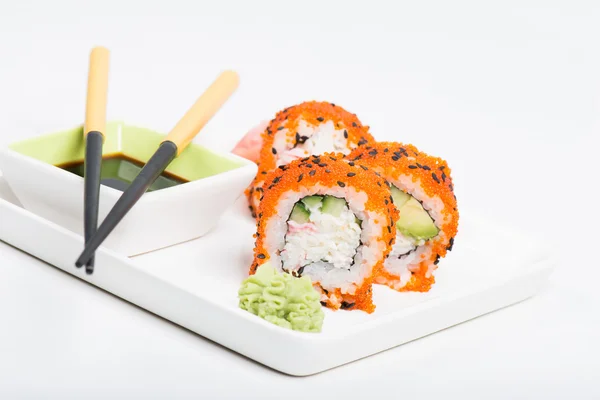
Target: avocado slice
[(333, 205), (415, 221), (400, 197), (312, 201), (300, 214)]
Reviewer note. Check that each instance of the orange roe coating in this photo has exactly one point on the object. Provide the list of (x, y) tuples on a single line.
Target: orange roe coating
[(314, 113), (329, 170), (393, 160)]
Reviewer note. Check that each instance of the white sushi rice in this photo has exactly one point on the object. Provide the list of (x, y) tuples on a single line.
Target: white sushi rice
[(322, 138), (334, 274), (399, 262)]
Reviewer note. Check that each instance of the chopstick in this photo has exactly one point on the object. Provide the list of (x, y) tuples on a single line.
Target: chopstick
[(94, 129)]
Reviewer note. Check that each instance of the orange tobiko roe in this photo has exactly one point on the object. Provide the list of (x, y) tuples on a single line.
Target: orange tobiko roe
[(329, 170), (314, 113), (391, 160)]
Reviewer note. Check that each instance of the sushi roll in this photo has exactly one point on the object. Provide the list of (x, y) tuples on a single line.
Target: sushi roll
[(331, 220), (422, 191), (309, 128)]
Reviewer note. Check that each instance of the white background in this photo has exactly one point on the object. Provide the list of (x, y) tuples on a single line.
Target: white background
[(508, 92)]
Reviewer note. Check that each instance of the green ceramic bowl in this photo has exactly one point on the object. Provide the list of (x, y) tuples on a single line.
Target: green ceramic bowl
[(160, 218)]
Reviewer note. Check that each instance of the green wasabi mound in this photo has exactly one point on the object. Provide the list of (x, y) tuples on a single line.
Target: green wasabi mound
[(282, 299)]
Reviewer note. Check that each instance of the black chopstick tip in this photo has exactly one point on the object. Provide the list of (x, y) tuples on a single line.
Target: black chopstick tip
[(78, 264)]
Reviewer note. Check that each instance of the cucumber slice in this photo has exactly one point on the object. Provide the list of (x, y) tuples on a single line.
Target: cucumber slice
[(400, 197), (312, 201), (358, 221), (300, 214), (415, 221), (333, 205)]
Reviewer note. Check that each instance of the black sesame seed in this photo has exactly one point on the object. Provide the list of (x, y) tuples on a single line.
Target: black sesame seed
[(362, 141), (274, 150), (277, 179), (260, 215), (392, 200), (350, 174), (386, 150), (341, 184), (308, 165), (269, 131), (377, 173), (312, 172), (354, 124), (442, 168), (403, 150), (387, 201), (373, 152), (280, 128), (346, 134), (328, 171), (451, 244), (333, 105), (419, 165), (351, 163), (324, 304), (435, 178), (395, 158), (425, 167), (391, 241), (378, 183), (322, 165), (320, 119), (444, 177), (413, 167), (332, 158), (281, 167), (437, 260), (264, 172), (389, 229), (261, 256), (345, 305), (452, 188), (300, 177), (363, 167)]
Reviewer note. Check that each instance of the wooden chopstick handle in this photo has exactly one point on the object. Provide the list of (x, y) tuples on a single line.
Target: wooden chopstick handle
[(203, 110), (97, 91)]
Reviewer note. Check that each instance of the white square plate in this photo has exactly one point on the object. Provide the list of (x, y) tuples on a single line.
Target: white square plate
[(195, 285)]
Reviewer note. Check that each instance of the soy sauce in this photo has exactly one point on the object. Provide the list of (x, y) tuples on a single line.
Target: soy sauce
[(118, 171)]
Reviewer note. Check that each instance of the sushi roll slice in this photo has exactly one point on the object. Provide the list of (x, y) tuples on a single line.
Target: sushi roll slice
[(422, 191), (309, 128), (331, 220)]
